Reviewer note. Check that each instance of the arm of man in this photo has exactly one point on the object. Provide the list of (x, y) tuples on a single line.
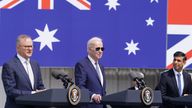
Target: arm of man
[(80, 77), (164, 90), (9, 82), (40, 85)]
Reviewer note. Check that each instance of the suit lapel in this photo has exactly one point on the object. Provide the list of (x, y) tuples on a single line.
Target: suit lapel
[(185, 82), (93, 70), (102, 71), (174, 82), (35, 76), (22, 71)]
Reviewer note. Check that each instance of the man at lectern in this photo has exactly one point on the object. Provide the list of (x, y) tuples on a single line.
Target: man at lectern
[(175, 82), (89, 73), (21, 75)]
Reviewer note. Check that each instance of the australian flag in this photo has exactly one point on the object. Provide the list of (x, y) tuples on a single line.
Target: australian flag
[(133, 31), (179, 30)]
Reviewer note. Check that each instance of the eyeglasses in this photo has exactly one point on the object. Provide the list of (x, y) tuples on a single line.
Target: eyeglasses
[(27, 46), (99, 48)]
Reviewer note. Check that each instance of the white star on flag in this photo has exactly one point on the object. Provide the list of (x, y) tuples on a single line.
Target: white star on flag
[(132, 47), (46, 37), (155, 1), (150, 21), (112, 4)]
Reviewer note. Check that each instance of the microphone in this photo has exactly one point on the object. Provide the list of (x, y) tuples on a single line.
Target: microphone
[(141, 79), (138, 78), (140, 75), (58, 74), (63, 77), (135, 78)]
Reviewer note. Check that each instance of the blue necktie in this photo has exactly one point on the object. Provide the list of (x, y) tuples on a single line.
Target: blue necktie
[(179, 84)]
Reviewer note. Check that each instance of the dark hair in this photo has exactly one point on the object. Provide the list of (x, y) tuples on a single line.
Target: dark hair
[(180, 54)]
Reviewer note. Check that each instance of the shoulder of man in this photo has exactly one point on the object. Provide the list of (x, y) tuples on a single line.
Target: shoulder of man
[(167, 72)]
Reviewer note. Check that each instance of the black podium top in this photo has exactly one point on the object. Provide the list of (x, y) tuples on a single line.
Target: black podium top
[(130, 98), (184, 100), (51, 97)]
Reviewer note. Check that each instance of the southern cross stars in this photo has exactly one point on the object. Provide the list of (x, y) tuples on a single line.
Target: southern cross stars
[(150, 21), (131, 47), (46, 37), (155, 1), (112, 4)]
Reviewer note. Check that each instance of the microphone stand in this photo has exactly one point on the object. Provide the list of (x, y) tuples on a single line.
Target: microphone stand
[(66, 82)]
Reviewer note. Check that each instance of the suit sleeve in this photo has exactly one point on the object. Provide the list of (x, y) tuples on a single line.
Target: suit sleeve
[(163, 88), (40, 84), (81, 77), (9, 82), (189, 86)]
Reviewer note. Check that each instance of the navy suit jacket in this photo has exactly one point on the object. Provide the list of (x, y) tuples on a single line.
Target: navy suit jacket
[(168, 86), (16, 81), (86, 77)]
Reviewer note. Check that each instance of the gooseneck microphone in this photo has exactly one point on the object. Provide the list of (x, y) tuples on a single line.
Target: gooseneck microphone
[(139, 79), (63, 77)]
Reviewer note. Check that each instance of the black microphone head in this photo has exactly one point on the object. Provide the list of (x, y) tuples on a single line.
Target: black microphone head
[(55, 76), (58, 74)]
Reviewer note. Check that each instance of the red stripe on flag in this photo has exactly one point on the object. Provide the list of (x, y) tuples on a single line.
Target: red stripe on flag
[(46, 4), (170, 66), (85, 4), (188, 55), (10, 4), (179, 12)]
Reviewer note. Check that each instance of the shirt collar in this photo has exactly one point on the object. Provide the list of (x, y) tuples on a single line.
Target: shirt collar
[(23, 60), (175, 72), (92, 61)]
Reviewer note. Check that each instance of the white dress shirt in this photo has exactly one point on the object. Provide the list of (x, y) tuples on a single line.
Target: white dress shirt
[(182, 79), (28, 68)]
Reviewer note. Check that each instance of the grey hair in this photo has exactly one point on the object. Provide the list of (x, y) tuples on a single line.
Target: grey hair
[(91, 41), (20, 37)]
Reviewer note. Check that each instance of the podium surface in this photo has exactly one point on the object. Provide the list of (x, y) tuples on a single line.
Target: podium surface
[(51, 97), (184, 100), (130, 98)]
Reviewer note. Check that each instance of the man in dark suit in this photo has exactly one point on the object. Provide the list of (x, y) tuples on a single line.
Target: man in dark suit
[(175, 82), (89, 73), (21, 75)]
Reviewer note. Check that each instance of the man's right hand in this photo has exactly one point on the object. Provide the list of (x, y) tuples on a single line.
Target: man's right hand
[(97, 98)]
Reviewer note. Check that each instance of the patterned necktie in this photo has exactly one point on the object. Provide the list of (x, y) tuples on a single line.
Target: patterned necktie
[(30, 73), (99, 73), (179, 84)]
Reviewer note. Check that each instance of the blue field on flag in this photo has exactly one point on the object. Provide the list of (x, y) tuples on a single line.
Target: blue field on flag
[(133, 31)]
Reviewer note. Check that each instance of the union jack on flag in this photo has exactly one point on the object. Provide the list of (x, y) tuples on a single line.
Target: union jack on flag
[(133, 31), (179, 30)]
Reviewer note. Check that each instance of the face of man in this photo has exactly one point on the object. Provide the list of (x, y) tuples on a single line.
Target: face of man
[(96, 50), (25, 48), (178, 63)]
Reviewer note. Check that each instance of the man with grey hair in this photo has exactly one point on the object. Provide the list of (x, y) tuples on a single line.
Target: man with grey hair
[(89, 73), (21, 75)]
